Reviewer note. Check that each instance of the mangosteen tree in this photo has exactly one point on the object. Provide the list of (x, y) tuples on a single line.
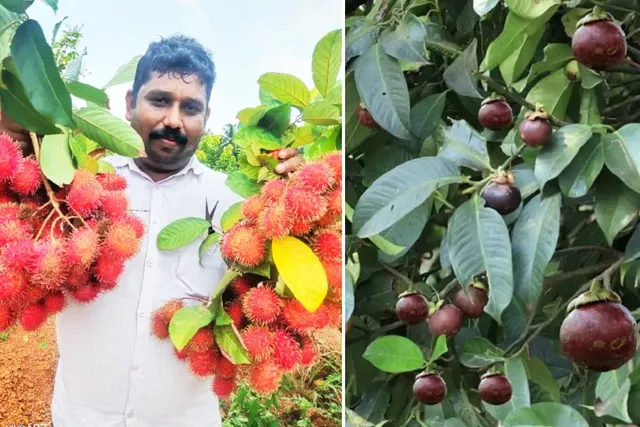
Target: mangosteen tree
[(492, 197)]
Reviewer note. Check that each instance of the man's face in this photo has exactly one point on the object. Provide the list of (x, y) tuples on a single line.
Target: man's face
[(170, 116)]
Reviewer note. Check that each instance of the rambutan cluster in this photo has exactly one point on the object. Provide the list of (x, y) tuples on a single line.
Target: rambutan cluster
[(277, 331), (58, 242)]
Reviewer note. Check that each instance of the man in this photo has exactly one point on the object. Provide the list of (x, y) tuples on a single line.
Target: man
[(112, 371)]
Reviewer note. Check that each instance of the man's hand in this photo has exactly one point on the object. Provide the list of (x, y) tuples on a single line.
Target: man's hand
[(290, 160)]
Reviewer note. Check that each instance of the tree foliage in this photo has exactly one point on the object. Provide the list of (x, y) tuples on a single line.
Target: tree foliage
[(427, 212), (216, 154)]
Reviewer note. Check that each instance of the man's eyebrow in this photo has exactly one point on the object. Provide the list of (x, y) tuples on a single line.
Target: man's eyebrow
[(164, 93)]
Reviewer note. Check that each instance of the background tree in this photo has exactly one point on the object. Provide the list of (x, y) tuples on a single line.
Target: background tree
[(492, 144), (216, 154)]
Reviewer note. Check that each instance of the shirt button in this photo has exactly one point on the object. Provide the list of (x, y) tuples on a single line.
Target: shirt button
[(150, 263), (131, 414), (155, 221), (141, 314)]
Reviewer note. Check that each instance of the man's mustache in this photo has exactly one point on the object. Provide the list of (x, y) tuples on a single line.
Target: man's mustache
[(171, 135)]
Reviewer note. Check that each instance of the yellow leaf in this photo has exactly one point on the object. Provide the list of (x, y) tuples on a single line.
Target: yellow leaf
[(301, 270), (302, 135)]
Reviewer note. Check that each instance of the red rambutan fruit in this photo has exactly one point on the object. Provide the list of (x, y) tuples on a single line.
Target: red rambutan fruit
[(326, 221), (223, 387), (114, 203), (252, 207), (334, 161), (333, 312), (27, 179), (7, 198), (85, 293), (81, 247), (202, 340), (161, 317), (112, 182), (314, 176), (32, 317), (16, 256), (121, 241), (298, 318), (6, 318), (243, 244), (271, 191), (309, 353), (12, 230), (182, 354), (275, 222), (10, 158), (226, 368), (33, 295), (241, 285), (77, 278), (12, 287), (305, 205), (203, 363), (48, 268), (287, 352), (54, 302), (259, 342), (234, 310), (333, 269), (9, 210), (261, 305), (327, 246), (334, 202), (265, 377), (85, 193), (134, 221), (300, 227)]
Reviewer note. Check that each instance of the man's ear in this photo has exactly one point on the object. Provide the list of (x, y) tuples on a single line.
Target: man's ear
[(129, 102)]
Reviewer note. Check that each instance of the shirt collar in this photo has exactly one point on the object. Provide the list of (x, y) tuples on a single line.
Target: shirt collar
[(194, 164)]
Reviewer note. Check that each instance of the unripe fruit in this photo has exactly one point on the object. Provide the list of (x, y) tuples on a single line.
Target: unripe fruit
[(364, 116), (446, 321), (495, 114), (412, 308), (429, 388), (504, 198), (571, 70), (495, 389), (599, 44), (471, 305), (535, 132), (600, 336)]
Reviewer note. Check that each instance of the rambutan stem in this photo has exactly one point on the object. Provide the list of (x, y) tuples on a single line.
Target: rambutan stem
[(41, 207), (44, 223), (53, 226), (222, 284), (77, 215)]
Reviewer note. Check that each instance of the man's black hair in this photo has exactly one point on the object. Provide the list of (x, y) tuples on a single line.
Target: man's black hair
[(179, 55)]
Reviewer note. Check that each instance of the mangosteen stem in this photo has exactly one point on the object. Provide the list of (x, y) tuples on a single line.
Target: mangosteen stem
[(398, 275), (481, 184), (447, 289), (439, 197)]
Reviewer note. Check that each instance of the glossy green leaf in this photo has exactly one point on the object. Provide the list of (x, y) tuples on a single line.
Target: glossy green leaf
[(439, 40), (394, 353), (38, 72), (577, 178), (616, 205), (88, 93), (349, 297), (612, 394), (286, 88), (553, 92), (440, 348), (125, 74), (396, 240), (464, 146), (517, 375), (571, 18), (531, 9), (206, 244), (406, 41), (242, 185), (321, 113), (460, 77), (546, 414), (231, 216), (383, 89), (477, 352), (556, 55), (622, 154), (525, 180), (275, 119), (589, 110), (231, 345), (55, 159), (382, 161), (359, 39), (181, 232), (426, 114), (109, 131), (399, 191), (632, 251), (534, 239), (478, 242), (565, 144), (539, 373), (74, 68), (16, 6), (258, 137), (186, 322), (326, 60), (53, 4), (513, 66)]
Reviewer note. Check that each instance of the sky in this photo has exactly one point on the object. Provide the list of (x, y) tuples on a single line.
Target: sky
[(250, 38)]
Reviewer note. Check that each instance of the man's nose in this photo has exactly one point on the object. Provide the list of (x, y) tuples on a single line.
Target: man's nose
[(173, 118)]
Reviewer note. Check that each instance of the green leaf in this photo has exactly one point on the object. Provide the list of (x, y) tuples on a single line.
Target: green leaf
[(209, 241), (556, 55), (88, 93), (477, 352), (382, 161), (622, 154), (616, 205), (540, 374), (16, 6), (37, 70), (74, 68), (16, 105), (253, 135), (589, 110), (326, 60), (478, 242), (464, 146), (534, 239), (275, 119), (231, 216), (406, 42), (335, 95), (553, 92), (393, 353), (560, 151), (577, 178), (8, 22), (242, 185), (513, 33), (517, 375), (186, 322), (426, 114), (517, 62), (525, 180), (571, 18), (439, 349), (632, 251), (349, 297), (459, 76), (546, 414), (321, 113), (252, 115), (612, 394), (125, 74), (383, 89), (55, 159), (399, 191), (231, 345), (109, 131), (439, 40), (181, 232), (589, 78), (286, 88), (531, 9), (222, 318), (53, 4), (359, 39), (482, 7)]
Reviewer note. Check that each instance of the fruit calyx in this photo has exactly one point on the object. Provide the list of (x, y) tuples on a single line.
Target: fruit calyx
[(595, 294), (597, 14), (494, 97), (435, 306), (539, 113)]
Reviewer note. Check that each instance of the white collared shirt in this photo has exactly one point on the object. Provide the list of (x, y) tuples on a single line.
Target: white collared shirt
[(112, 371)]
